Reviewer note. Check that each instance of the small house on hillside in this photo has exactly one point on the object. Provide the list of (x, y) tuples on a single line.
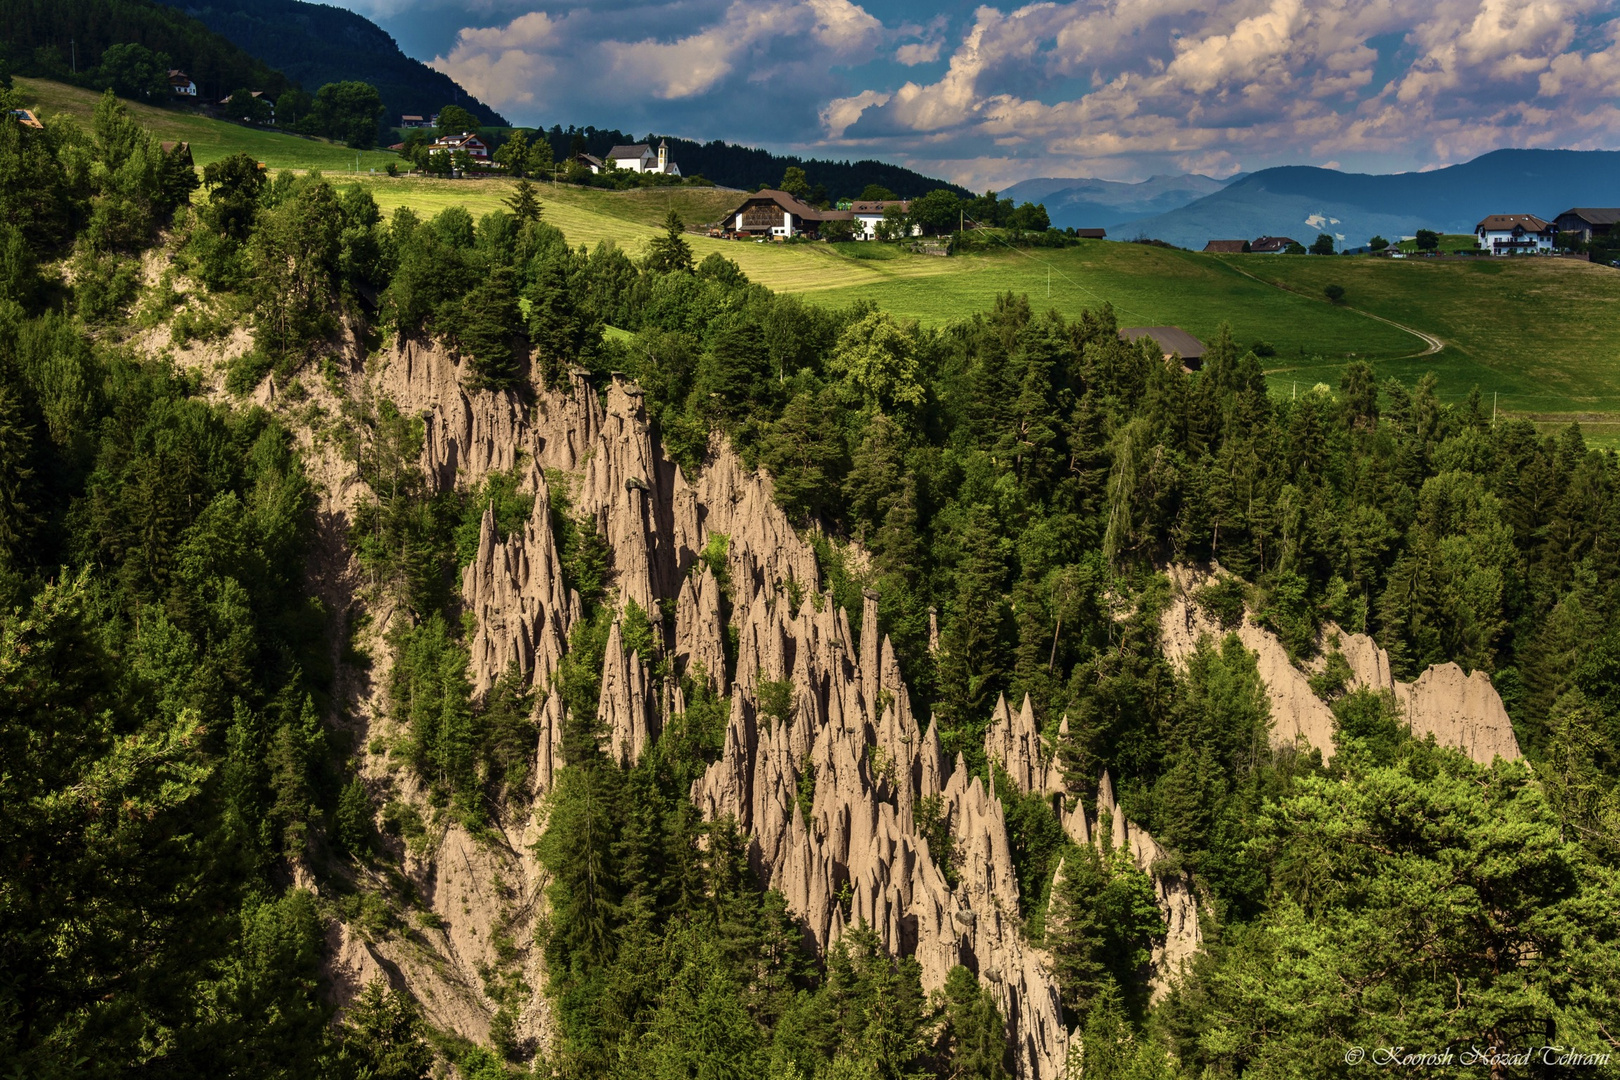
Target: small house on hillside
[(867, 215), (269, 115), (1172, 341), (641, 158), (1226, 247), (778, 215), (590, 161), (1091, 234), (449, 144), (1588, 221), (26, 118), (1514, 234), (1272, 245), (411, 120), (181, 84)]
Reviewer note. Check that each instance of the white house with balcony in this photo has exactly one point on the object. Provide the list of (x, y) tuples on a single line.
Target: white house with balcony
[(1515, 234)]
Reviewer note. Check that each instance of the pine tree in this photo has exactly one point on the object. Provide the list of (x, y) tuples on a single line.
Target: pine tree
[(974, 1038), (382, 1035), (523, 202), (670, 253)]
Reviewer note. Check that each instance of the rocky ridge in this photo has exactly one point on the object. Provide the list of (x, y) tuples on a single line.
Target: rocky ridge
[(1461, 710), (857, 849)]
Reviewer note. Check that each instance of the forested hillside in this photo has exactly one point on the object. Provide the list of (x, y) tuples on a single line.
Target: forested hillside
[(397, 673), (316, 44), (68, 40), (750, 167)]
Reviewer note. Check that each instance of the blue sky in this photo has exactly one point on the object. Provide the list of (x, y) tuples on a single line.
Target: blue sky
[(989, 94)]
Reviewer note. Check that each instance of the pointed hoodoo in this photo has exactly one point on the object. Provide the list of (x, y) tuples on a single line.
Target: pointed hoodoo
[(700, 631), (623, 706), (870, 654)]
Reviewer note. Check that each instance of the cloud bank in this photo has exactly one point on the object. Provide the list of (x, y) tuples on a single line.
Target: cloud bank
[(1115, 88)]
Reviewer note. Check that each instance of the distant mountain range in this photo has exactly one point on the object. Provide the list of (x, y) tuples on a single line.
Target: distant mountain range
[(1088, 204), (1300, 201), (316, 44)]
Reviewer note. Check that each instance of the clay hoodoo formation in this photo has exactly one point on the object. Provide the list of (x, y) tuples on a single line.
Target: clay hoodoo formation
[(1459, 710), (849, 732)]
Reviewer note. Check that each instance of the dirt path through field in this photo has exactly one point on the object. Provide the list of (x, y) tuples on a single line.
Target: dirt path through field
[(1431, 343)]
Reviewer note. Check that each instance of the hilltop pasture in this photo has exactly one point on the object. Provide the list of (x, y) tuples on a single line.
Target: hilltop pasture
[(210, 139), (1537, 336)]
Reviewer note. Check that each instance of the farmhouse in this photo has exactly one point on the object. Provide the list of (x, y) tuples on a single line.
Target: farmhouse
[(26, 118), (1226, 247), (590, 161), (1514, 234), (410, 120), (779, 215), (868, 214), (181, 84), (1091, 234), (1588, 221), (1173, 341), (640, 158), (257, 95), (449, 144), (1272, 245)]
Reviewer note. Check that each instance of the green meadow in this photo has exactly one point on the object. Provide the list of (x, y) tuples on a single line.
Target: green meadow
[(210, 139), (1539, 337)]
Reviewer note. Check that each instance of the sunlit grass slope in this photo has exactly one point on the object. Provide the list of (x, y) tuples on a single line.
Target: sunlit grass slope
[(210, 139), (1541, 334)]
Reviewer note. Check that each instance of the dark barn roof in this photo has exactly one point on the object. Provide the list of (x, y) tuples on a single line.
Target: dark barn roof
[(1595, 215), (1173, 340)]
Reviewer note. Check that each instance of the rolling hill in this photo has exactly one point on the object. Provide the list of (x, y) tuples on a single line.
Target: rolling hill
[(1300, 201), (1535, 335), (316, 44), (210, 139), (65, 40), (1080, 203)]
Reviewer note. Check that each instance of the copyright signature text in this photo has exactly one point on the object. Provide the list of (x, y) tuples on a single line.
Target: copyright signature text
[(1408, 1058)]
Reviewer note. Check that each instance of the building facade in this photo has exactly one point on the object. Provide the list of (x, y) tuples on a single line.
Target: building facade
[(472, 144), (1515, 234), (779, 216), (1589, 222)]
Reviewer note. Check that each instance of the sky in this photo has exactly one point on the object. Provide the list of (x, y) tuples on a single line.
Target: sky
[(986, 95)]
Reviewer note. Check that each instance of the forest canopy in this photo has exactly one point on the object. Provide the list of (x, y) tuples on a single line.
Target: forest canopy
[(179, 767)]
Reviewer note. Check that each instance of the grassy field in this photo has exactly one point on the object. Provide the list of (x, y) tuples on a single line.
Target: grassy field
[(1541, 334), (210, 139), (1449, 242), (1147, 286)]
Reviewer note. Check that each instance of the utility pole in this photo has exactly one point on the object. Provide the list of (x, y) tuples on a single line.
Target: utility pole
[(73, 46)]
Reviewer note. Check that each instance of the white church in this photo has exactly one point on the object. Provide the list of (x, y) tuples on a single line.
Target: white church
[(641, 158)]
